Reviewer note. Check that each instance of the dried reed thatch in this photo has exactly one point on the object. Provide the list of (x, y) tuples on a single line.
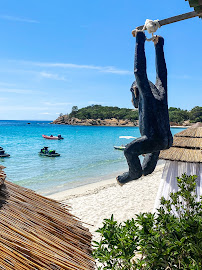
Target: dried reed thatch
[(187, 146), (40, 233)]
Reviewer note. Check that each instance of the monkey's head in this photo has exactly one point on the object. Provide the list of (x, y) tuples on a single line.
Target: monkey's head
[(135, 94)]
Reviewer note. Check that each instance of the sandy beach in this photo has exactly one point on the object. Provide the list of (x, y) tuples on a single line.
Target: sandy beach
[(92, 203)]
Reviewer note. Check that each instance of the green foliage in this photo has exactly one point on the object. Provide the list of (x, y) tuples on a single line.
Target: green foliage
[(196, 114), (179, 116), (176, 115), (170, 239), (74, 108), (116, 248), (74, 111), (104, 112)]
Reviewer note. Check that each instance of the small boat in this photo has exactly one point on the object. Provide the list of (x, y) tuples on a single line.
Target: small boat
[(51, 137), (2, 153), (127, 137), (48, 153), (122, 147)]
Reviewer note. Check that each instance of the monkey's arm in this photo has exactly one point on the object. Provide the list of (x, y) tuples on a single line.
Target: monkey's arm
[(161, 70), (140, 63)]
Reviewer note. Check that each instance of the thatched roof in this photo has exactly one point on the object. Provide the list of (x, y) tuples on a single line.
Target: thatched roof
[(40, 233), (197, 5), (187, 146)]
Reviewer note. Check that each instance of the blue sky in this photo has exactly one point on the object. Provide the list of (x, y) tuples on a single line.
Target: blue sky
[(57, 54)]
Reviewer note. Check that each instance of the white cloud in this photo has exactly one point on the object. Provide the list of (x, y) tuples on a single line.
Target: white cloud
[(115, 71), (46, 113), (104, 69), (52, 76), (17, 19), (3, 99), (7, 84)]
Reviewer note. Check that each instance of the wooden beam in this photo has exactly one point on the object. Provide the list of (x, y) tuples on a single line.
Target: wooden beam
[(174, 19)]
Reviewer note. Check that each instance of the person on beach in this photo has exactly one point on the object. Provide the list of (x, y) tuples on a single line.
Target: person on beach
[(151, 101)]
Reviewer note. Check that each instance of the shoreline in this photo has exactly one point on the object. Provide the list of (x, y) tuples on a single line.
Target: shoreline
[(93, 203), (92, 188), (80, 125), (84, 190), (74, 121)]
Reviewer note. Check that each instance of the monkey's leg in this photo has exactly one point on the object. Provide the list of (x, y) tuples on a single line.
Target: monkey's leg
[(149, 163), (161, 70), (140, 69), (137, 147)]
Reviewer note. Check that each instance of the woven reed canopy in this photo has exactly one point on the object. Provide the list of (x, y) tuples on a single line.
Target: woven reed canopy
[(197, 5), (40, 233), (187, 146)]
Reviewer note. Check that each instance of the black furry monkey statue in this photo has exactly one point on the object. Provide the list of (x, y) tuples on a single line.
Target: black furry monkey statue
[(151, 101)]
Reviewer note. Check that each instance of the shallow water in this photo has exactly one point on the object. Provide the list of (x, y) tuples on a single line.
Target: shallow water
[(87, 154)]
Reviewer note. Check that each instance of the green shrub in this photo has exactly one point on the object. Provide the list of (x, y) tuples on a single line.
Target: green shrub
[(170, 239), (196, 114), (177, 115)]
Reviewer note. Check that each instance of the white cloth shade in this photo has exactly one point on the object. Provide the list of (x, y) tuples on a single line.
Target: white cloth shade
[(168, 181)]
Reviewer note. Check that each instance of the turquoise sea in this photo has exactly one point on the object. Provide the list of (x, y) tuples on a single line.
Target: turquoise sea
[(87, 154)]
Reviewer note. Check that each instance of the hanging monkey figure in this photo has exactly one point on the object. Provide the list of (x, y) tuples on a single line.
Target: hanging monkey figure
[(151, 101)]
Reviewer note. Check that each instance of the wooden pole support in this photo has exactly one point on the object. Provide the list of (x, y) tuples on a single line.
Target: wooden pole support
[(174, 19)]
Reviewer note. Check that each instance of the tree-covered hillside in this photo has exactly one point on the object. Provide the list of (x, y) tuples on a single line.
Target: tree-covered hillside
[(179, 116), (103, 112), (176, 115)]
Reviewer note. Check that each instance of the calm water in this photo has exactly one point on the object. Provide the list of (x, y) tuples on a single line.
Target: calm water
[(87, 154)]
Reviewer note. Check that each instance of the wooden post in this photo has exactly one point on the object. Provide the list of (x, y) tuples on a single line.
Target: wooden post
[(178, 18)]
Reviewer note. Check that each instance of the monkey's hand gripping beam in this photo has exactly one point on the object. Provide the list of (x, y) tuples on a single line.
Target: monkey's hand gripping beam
[(157, 24)]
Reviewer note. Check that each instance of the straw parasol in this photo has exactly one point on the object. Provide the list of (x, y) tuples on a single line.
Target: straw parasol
[(185, 156), (187, 146), (40, 233)]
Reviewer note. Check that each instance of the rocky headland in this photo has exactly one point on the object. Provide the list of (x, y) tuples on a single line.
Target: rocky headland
[(97, 115), (65, 120)]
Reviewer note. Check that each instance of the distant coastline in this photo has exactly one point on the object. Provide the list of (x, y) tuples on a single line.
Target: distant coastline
[(63, 120), (73, 121), (97, 115)]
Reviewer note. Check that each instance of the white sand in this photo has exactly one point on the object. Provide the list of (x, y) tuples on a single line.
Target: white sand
[(92, 203)]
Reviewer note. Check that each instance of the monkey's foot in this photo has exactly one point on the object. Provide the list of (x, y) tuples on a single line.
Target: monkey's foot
[(147, 171), (125, 178)]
